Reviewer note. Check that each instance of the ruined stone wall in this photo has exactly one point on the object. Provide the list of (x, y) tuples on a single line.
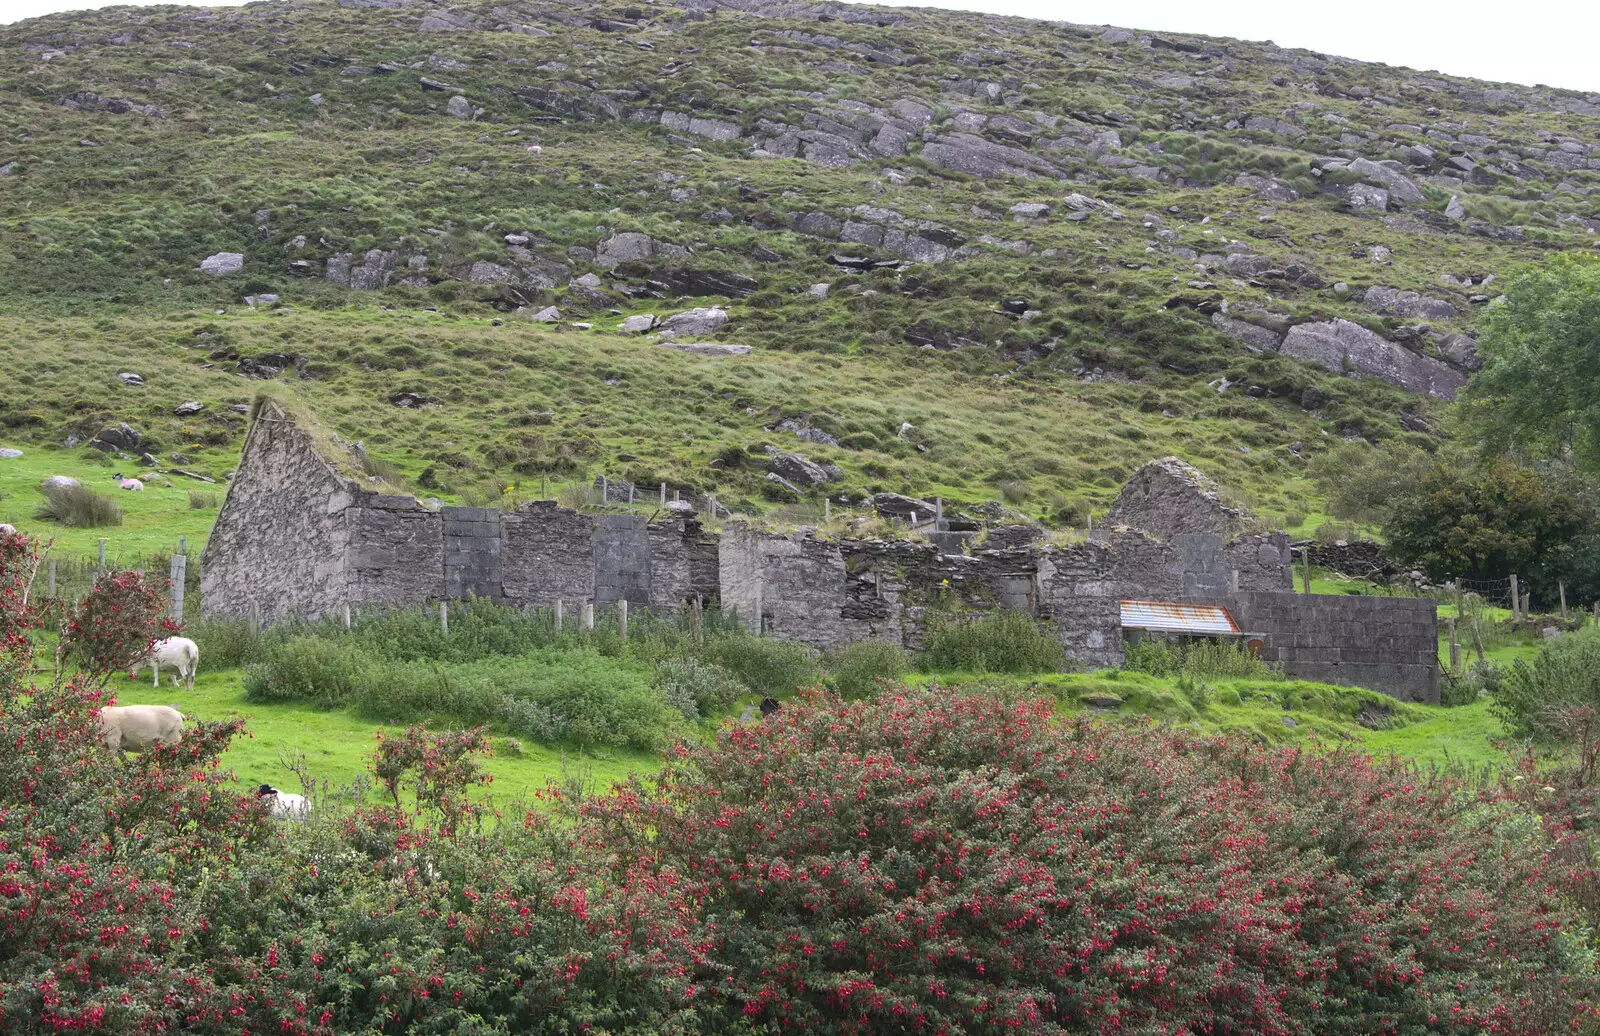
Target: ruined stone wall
[(279, 540), (546, 554), (395, 554), (683, 564), (1168, 497), (1080, 592), (1388, 644)]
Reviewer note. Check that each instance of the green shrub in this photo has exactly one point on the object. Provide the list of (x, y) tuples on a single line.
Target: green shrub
[(77, 507), (314, 669), (696, 688), (1198, 660), (1230, 697), (770, 668), (856, 670), (1566, 673), (999, 642), (225, 643)]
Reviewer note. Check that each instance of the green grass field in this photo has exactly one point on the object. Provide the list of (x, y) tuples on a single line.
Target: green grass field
[(337, 745)]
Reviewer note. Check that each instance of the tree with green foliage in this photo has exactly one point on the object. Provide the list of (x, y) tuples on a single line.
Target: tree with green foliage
[(1487, 522), (1539, 390)]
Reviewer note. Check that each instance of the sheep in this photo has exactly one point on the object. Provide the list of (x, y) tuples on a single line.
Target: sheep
[(285, 805), (132, 484), (126, 728), (178, 653), (7, 530)]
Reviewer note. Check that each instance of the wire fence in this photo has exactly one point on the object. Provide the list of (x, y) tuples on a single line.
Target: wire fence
[(66, 578)]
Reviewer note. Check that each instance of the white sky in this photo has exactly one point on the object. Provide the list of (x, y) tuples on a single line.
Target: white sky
[(1530, 41)]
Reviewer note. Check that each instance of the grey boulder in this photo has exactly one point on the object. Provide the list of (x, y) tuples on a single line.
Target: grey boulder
[(1407, 304), (188, 409), (639, 323), (622, 248), (222, 263), (1340, 346), (1390, 174), (698, 321)]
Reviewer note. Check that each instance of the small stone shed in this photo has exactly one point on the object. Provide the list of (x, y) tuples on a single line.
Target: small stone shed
[(303, 534)]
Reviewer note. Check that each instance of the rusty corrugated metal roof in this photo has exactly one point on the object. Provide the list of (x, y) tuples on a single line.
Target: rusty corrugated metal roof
[(1212, 619)]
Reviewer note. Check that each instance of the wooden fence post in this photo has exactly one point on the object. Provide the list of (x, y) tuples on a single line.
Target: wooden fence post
[(1234, 580), (346, 610), (255, 618), (588, 616), (694, 611), (1516, 599), (1455, 649), (827, 509), (444, 617), (179, 563), (183, 544), (622, 620), (663, 494), (102, 553), (558, 616), (1563, 587), (1477, 638)]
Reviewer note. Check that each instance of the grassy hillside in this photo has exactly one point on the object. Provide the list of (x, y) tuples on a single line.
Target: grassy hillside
[(1038, 354)]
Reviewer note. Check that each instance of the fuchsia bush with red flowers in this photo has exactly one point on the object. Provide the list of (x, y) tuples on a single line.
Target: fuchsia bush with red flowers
[(926, 862), (937, 862)]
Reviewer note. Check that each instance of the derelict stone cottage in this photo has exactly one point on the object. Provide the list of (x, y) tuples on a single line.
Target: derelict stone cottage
[(297, 536)]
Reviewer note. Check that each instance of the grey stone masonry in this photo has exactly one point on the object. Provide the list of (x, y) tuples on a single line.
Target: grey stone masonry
[(396, 552), (547, 554), (278, 545)]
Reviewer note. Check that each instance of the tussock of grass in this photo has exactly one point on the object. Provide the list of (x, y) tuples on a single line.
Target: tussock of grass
[(78, 507)]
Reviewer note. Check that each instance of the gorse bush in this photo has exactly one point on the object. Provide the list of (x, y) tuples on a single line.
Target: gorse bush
[(856, 670), (1198, 659), (77, 507), (1528, 699), (999, 642)]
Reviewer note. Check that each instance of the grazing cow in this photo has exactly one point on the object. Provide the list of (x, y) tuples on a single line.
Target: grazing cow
[(179, 653), (285, 805), (129, 483), (134, 728)]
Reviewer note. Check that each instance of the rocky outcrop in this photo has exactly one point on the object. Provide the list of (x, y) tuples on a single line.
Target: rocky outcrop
[(1343, 346), (699, 321), (1390, 175), (371, 273), (1407, 304)]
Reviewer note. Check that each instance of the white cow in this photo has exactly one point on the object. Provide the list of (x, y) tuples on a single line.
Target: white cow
[(135, 728), (178, 653), (285, 805)]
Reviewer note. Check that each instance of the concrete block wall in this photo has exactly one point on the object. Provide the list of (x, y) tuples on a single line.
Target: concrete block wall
[(621, 549), (1389, 644), (472, 552)]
